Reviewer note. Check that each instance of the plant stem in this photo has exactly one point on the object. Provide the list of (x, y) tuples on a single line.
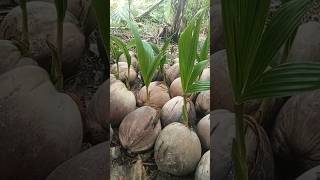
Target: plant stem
[(148, 94), (59, 83), (240, 143), (185, 112), (25, 29)]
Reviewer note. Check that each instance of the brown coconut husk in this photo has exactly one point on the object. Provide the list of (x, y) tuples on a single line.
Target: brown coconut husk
[(123, 72), (139, 129), (295, 136), (159, 95), (172, 73), (93, 163), (10, 57), (42, 29), (176, 88), (40, 127), (259, 152), (134, 60)]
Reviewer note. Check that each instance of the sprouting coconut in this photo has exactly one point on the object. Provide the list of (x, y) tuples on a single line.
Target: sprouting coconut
[(175, 88), (10, 57), (123, 72), (134, 60), (88, 165), (139, 129), (296, 129), (259, 152), (42, 29), (178, 160), (172, 73), (122, 102), (203, 102), (306, 45), (158, 92), (205, 76), (40, 127), (172, 111), (203, 169), (203, 131)]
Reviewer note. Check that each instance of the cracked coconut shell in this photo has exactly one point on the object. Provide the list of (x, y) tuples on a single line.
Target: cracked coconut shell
[(177, 150), (172, 111), (139, 129), (159, 95)]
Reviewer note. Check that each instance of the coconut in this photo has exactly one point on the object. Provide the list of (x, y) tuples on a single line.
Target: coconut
[(90, 164), (81, 10), (259, 152), (306, 45), (172, 111), (158, 92), (10, 57), (312, 174), (295, 135), (176, 88), (203, 169), (123, 71), (40, 127), (122, 102), (139, 129), (42, 28), (203, 102), (217, 40), (97, 120), (134, 60), (203, 131), (177, 150), (205, 76), (172, 73)]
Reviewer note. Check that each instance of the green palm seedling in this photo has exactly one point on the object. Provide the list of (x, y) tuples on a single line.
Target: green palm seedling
[(118, 47), (189, 69), (251, 47), (147, 59), (56, 68)]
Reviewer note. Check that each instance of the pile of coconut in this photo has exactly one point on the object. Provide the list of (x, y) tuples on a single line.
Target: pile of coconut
[(41, 129), (283, 142), (153, 127)]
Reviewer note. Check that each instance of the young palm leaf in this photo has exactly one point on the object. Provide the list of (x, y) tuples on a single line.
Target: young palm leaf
[(61, 7), (148, 61), (125, 51), (251, 48), (189, 70)]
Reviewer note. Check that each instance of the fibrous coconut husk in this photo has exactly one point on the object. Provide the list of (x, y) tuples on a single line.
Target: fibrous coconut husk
[(97, 119), (40, 127), (10, 57), (139, 129), (134, 60), (176, 88), (159, 95), (42, 28), (172, 73), (203, 131), (203, 169), (177, 150), (172, 111), (123, 72), (306, 45), (259, 152), (203, 102), (122, 102), (295, 136), (93, 163)]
